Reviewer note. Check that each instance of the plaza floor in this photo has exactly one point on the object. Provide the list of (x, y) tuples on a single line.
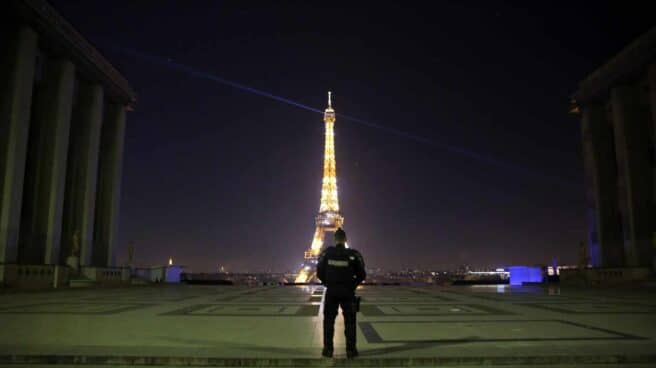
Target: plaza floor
[(185, 325)]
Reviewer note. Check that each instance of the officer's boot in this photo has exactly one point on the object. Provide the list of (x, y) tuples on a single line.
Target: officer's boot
[(350, 354), (350, 333), (326, 352), (328, 332)]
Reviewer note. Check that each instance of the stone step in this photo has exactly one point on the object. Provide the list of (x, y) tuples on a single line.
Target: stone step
[(81, 283), (138, 281), (646, 360)]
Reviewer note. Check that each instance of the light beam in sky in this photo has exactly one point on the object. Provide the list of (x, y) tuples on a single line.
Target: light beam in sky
[(461, 151)]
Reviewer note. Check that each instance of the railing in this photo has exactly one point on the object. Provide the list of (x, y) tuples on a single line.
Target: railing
[(35, 272), (109, 275), (29, 276)]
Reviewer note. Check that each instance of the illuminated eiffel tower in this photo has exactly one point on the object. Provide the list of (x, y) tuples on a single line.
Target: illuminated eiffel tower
[(329, 218)]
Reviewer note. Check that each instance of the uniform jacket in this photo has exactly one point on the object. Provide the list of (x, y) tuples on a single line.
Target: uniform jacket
[(341, 270)]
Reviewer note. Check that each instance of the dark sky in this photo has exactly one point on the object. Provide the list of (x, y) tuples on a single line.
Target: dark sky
[(215, 175)]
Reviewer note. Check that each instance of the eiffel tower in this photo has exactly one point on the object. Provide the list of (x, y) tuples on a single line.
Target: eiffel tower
[(329, 218)]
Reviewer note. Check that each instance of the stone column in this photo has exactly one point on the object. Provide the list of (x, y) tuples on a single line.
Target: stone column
[(600, 156), (109, 185), (18, 63), (652, 105), (45, 175), (82, 171), (631, 122)]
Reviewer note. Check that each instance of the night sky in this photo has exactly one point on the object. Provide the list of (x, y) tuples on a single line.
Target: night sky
[(466, 153)]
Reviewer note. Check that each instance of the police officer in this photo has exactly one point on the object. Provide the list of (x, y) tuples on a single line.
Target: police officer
[(341, 270)]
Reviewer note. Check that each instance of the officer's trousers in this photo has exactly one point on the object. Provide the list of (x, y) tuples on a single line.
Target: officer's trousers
[(331, 303)]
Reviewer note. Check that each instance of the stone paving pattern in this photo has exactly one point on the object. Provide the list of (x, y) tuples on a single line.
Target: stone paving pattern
[(282, 326)]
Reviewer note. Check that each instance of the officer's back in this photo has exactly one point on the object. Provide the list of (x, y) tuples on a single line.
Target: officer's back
[(341, 270)]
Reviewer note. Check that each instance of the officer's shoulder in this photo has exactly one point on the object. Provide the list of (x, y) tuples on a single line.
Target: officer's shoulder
[(354, 252), (329, 249)]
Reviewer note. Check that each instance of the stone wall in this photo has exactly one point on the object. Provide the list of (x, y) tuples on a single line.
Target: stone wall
[(605, 276)]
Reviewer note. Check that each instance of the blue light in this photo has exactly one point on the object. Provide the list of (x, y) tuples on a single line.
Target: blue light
[(522, 274)]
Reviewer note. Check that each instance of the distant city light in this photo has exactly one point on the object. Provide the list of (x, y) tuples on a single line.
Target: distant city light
[(550, 271), (170, 261), (497, 272)]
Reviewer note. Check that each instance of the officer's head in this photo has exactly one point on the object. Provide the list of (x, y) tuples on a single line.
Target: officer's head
[(340, 236)]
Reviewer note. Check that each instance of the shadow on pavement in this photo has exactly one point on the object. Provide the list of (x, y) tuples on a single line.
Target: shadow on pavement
[(409, 347), (290, 352)]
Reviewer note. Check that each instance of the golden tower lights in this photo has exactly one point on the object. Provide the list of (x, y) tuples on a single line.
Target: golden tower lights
[(329, 218)]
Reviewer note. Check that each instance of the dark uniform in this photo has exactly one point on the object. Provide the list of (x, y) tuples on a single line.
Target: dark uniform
[(341, 270)]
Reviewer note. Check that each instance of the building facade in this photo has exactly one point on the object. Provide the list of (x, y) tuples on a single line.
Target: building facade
[(617, 107), (62, 124)]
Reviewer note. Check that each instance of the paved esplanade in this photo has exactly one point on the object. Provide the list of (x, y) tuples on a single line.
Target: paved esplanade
[(281, 326)]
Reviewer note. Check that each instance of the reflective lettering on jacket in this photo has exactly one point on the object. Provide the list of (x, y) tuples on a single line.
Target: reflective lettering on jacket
[(337, 263)]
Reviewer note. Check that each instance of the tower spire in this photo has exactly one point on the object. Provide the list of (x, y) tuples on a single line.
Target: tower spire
[(329, 199)]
